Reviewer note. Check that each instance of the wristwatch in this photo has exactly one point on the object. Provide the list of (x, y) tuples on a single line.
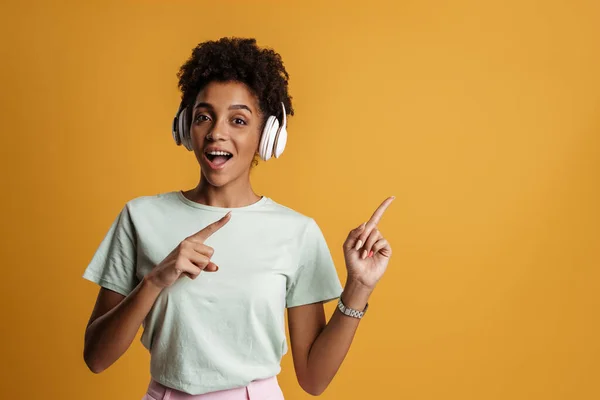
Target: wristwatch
[(350, 311)]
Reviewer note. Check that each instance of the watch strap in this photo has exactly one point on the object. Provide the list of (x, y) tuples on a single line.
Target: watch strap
[(350, 312)]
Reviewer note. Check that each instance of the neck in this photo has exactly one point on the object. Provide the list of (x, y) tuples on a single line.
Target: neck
[(237, 193)]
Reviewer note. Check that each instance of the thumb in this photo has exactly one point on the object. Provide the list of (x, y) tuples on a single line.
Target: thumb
[(354, 235), (211, 267)]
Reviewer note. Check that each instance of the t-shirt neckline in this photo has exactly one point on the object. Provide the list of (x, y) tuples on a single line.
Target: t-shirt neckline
[(185, 200)]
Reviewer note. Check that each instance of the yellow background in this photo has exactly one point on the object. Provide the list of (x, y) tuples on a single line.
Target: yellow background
[(481, 117)]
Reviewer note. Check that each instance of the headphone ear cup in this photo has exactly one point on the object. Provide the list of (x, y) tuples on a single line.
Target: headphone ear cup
[(280, 142), (270, 146), (281, 139), (181, 128), (265, 148), (175, 130), (184, 129)]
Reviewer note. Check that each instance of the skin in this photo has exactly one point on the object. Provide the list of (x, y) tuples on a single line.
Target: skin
[(227, 115)]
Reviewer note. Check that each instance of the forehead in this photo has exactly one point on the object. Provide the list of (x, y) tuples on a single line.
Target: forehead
[(224, 94)]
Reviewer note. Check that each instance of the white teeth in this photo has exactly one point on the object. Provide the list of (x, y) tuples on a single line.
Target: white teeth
[(219, 153)]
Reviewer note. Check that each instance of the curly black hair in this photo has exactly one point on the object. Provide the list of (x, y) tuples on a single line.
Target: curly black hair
[(241, 60)]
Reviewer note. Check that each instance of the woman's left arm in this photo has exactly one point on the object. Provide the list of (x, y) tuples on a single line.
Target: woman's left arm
[(318, 347)]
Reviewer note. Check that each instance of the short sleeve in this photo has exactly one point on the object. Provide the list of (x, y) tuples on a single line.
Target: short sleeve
[(113, 265), (316, 279)]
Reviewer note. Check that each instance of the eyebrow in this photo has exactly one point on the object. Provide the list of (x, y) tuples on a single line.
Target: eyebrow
[(231, 107)]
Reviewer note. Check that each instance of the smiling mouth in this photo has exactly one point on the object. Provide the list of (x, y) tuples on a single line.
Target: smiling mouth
[(218, 158)]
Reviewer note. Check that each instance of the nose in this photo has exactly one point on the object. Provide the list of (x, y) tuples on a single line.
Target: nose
[(218, 132)]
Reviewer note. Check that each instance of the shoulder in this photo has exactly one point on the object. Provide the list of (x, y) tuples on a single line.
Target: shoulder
[(291, 217), (287, 212), (150, 203)]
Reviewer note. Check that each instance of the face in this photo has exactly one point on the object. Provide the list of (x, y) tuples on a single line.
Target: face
[(225, 130)]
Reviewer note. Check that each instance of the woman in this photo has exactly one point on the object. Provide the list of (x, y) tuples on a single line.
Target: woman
[(208, 272)]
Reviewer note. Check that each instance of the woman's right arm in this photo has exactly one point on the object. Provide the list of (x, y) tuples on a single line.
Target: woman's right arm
[(116, 319), (114, 323)]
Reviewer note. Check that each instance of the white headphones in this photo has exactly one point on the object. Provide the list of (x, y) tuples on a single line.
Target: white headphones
[(272, 140)]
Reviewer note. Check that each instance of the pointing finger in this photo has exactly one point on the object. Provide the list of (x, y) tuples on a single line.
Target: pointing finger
[(376, 217), (212, 228), (373, 221)]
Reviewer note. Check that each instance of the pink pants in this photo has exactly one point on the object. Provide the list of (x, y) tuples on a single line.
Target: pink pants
[(264, 389)]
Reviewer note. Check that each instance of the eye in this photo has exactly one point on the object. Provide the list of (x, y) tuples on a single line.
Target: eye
[(201, 118), (239, 121)]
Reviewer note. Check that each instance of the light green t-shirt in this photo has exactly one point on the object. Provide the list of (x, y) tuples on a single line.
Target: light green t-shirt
[(225, 328)]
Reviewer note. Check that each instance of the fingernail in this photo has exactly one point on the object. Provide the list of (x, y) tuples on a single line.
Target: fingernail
[(358, 244), (371, 253), (364, 254)]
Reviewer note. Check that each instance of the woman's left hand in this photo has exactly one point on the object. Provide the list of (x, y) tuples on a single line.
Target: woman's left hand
[(366, 251)]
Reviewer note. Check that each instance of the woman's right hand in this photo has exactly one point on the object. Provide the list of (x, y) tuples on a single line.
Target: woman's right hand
[(190, 257)]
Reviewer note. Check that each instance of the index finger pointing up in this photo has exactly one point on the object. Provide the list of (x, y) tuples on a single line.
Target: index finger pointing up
[(376, 217), (207, 231)]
